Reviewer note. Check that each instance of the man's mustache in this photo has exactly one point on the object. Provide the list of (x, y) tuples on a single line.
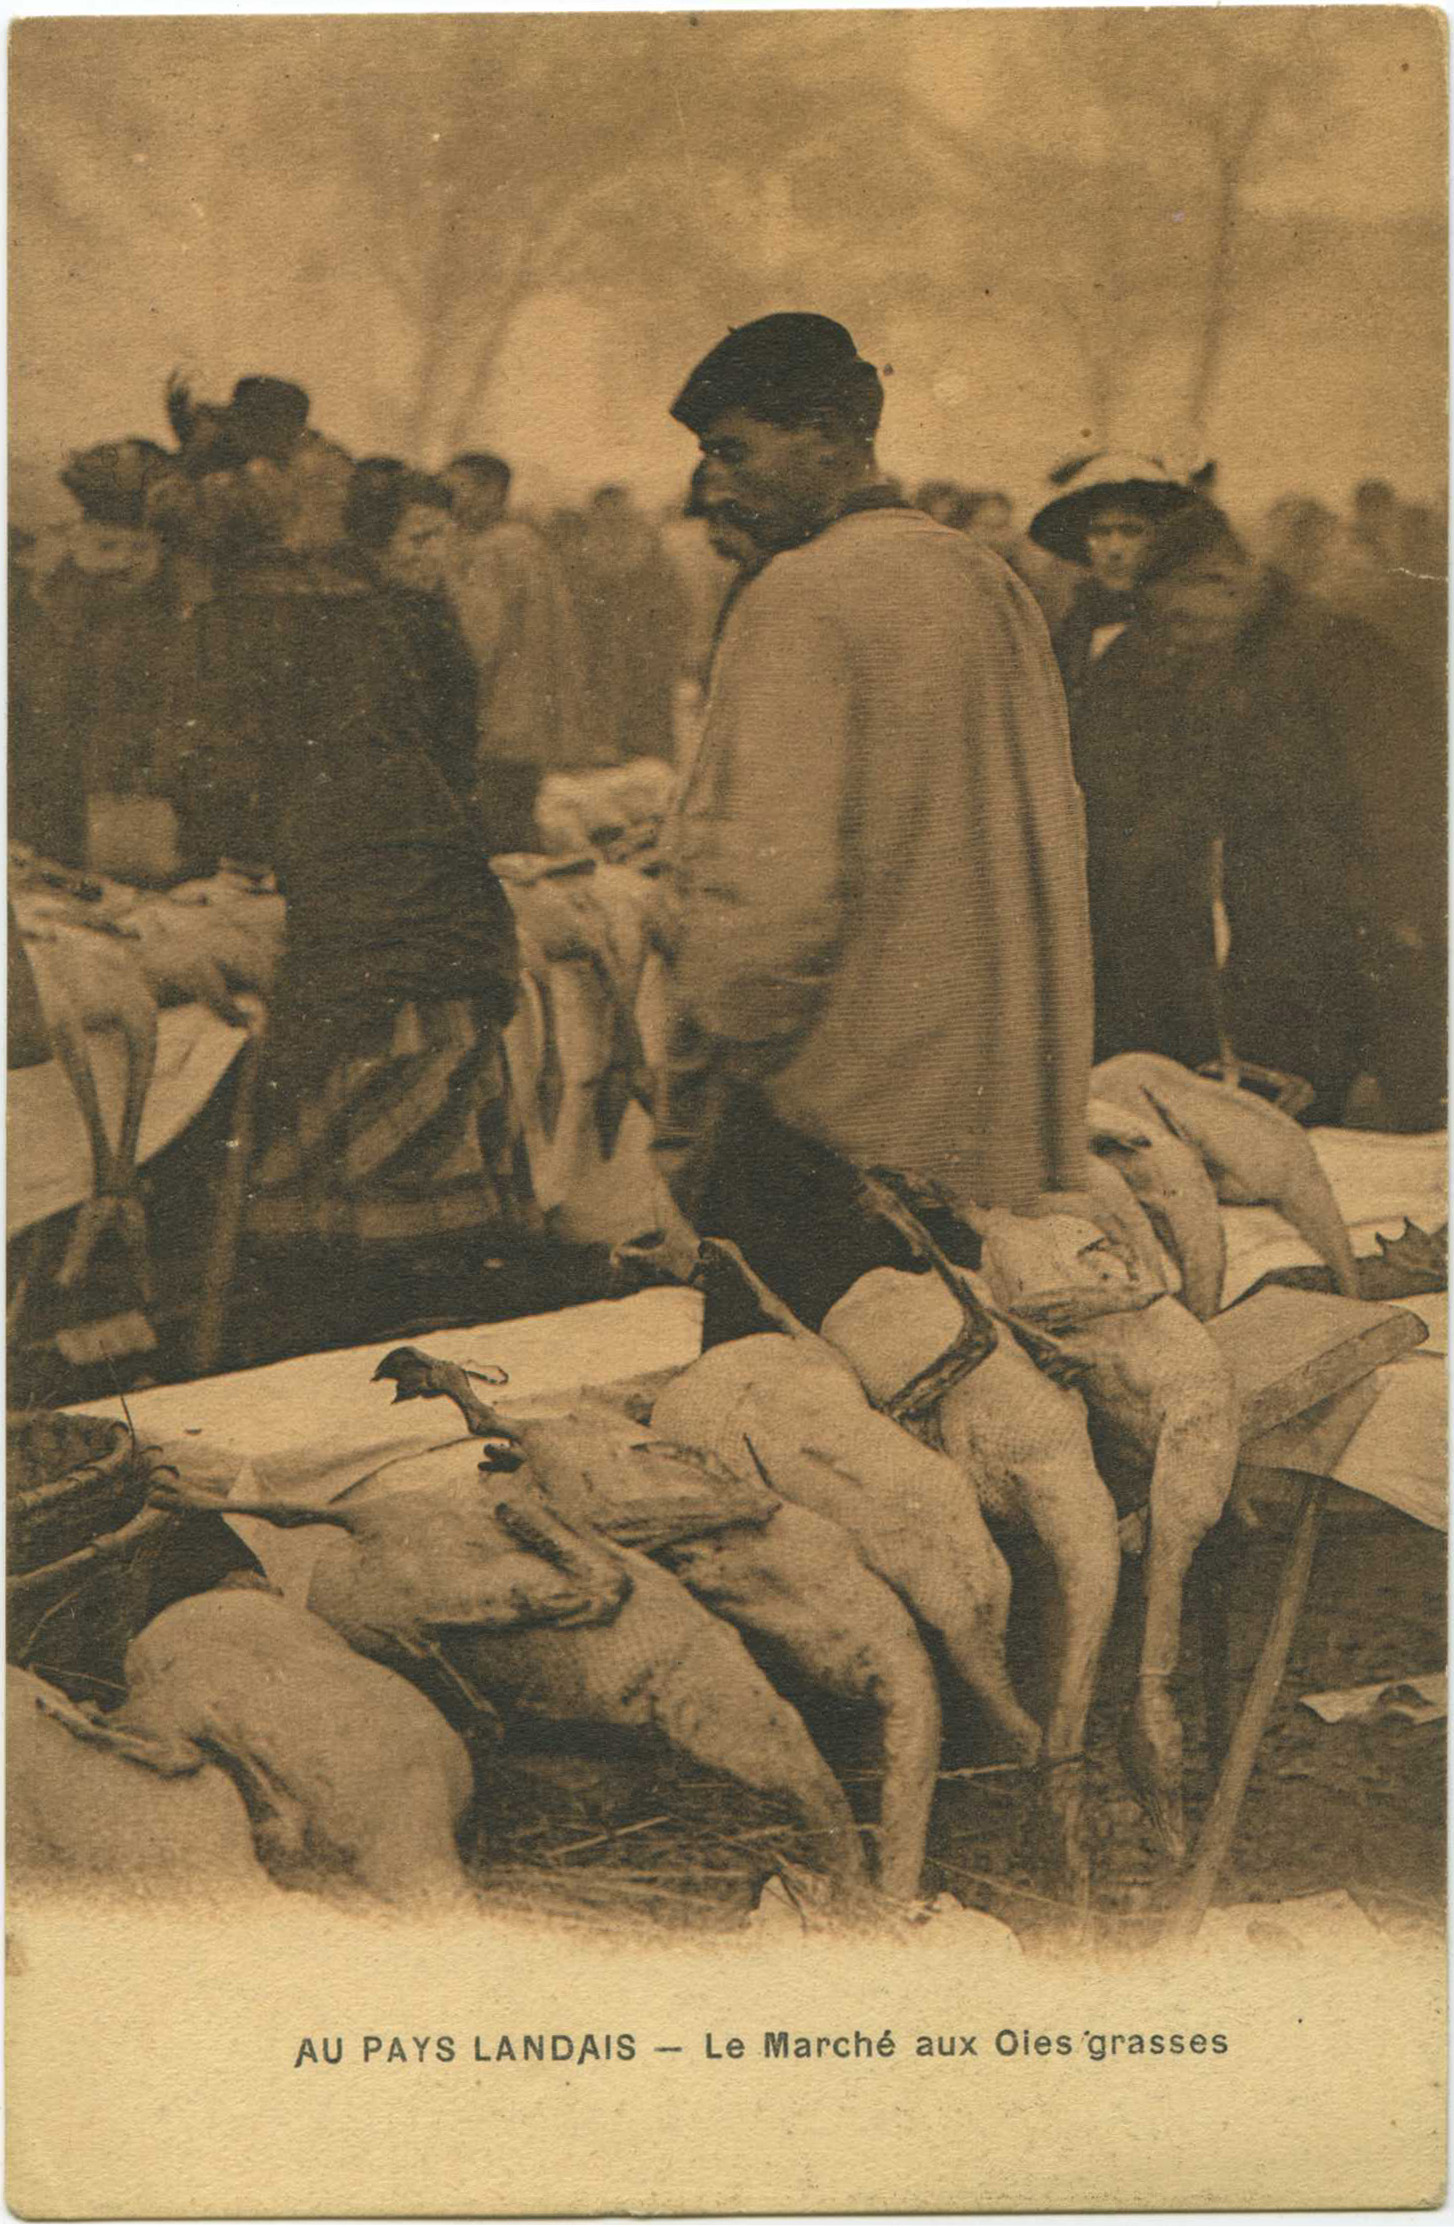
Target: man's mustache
[(749, 522)]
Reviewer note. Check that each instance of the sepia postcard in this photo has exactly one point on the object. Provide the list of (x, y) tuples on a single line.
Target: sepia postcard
[(727, 1112)]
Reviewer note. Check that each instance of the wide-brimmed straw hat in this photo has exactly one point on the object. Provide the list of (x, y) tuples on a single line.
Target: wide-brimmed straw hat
[(1114, 476)]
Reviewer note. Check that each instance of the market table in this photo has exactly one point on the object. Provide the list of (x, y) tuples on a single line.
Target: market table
[(312, 1417), (47, 1149), (559, 1049), (310, 1427)]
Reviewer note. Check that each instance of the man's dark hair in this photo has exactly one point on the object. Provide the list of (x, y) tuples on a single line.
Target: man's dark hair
[(492, 470), (381, 491), (1198, 529), (1374, 494)]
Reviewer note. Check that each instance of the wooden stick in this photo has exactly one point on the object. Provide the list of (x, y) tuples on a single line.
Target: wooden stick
[(1220, 1824), (1208, 1585), (227, 1222), (1318, 1445)]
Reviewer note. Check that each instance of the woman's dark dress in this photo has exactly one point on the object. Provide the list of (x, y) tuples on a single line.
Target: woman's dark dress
[(315, 748)]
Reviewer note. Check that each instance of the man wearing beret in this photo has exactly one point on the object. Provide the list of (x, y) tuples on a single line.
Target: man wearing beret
[(877, 917)]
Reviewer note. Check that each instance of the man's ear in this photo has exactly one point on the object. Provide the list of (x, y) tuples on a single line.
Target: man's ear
[(828, 442)]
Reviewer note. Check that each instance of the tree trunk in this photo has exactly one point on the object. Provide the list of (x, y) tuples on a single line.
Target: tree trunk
[(487, 338), (543, 254), (1212, 332), (1232, 145)]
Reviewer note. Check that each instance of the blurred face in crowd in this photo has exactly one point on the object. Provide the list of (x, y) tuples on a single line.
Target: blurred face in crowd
[(419, 552), (1118, 542), (319, 478), (1375, 513), (781, 480), (1199, 609), (993, 522), (1299, 538), (477, 502), (113, 552), (1424, 539), (939, 500), (103, 464)]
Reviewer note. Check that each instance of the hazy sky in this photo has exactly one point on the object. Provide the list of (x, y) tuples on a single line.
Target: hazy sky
[(155, 223)]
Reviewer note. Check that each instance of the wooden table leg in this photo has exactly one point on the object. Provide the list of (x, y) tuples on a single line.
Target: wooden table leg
[(1305, 1453), (1220, 1825), (1209, 1587), (227, 1220)]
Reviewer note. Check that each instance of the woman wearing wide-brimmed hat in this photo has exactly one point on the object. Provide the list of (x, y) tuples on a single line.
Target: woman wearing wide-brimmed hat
[(1103, 519)]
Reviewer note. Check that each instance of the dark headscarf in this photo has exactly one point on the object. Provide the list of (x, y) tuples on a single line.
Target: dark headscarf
[(1199, 529)]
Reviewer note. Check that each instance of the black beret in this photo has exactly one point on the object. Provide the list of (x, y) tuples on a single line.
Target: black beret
[(776, 366), (266, 416)]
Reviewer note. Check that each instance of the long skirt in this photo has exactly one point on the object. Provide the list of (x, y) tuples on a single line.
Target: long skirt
[(408, 1135)]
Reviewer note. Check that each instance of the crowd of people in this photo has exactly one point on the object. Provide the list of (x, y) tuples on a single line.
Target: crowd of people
[(1263, 771), (531, 645), (1257, 729), (252, 652)]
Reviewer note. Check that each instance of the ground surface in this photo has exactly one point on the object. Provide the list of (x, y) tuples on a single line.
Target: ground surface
[(614, 1837), (619, 1841)]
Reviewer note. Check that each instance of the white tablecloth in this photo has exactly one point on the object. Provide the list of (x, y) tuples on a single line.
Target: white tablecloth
[(47, 1149), (1379, 1182), (321, 1414), (589, 1194), (308, 1428)]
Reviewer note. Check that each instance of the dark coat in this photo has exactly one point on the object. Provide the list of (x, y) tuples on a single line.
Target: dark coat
[(1091, 607), (317, 752), (1285, 754), (47, 744), (1333, 696), (86, 702), (442, 672)]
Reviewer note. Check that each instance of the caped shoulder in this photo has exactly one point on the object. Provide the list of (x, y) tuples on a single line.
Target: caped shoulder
[(895, 563)]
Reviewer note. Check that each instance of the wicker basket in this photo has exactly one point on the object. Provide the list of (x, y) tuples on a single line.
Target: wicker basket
[(67, 1479)]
